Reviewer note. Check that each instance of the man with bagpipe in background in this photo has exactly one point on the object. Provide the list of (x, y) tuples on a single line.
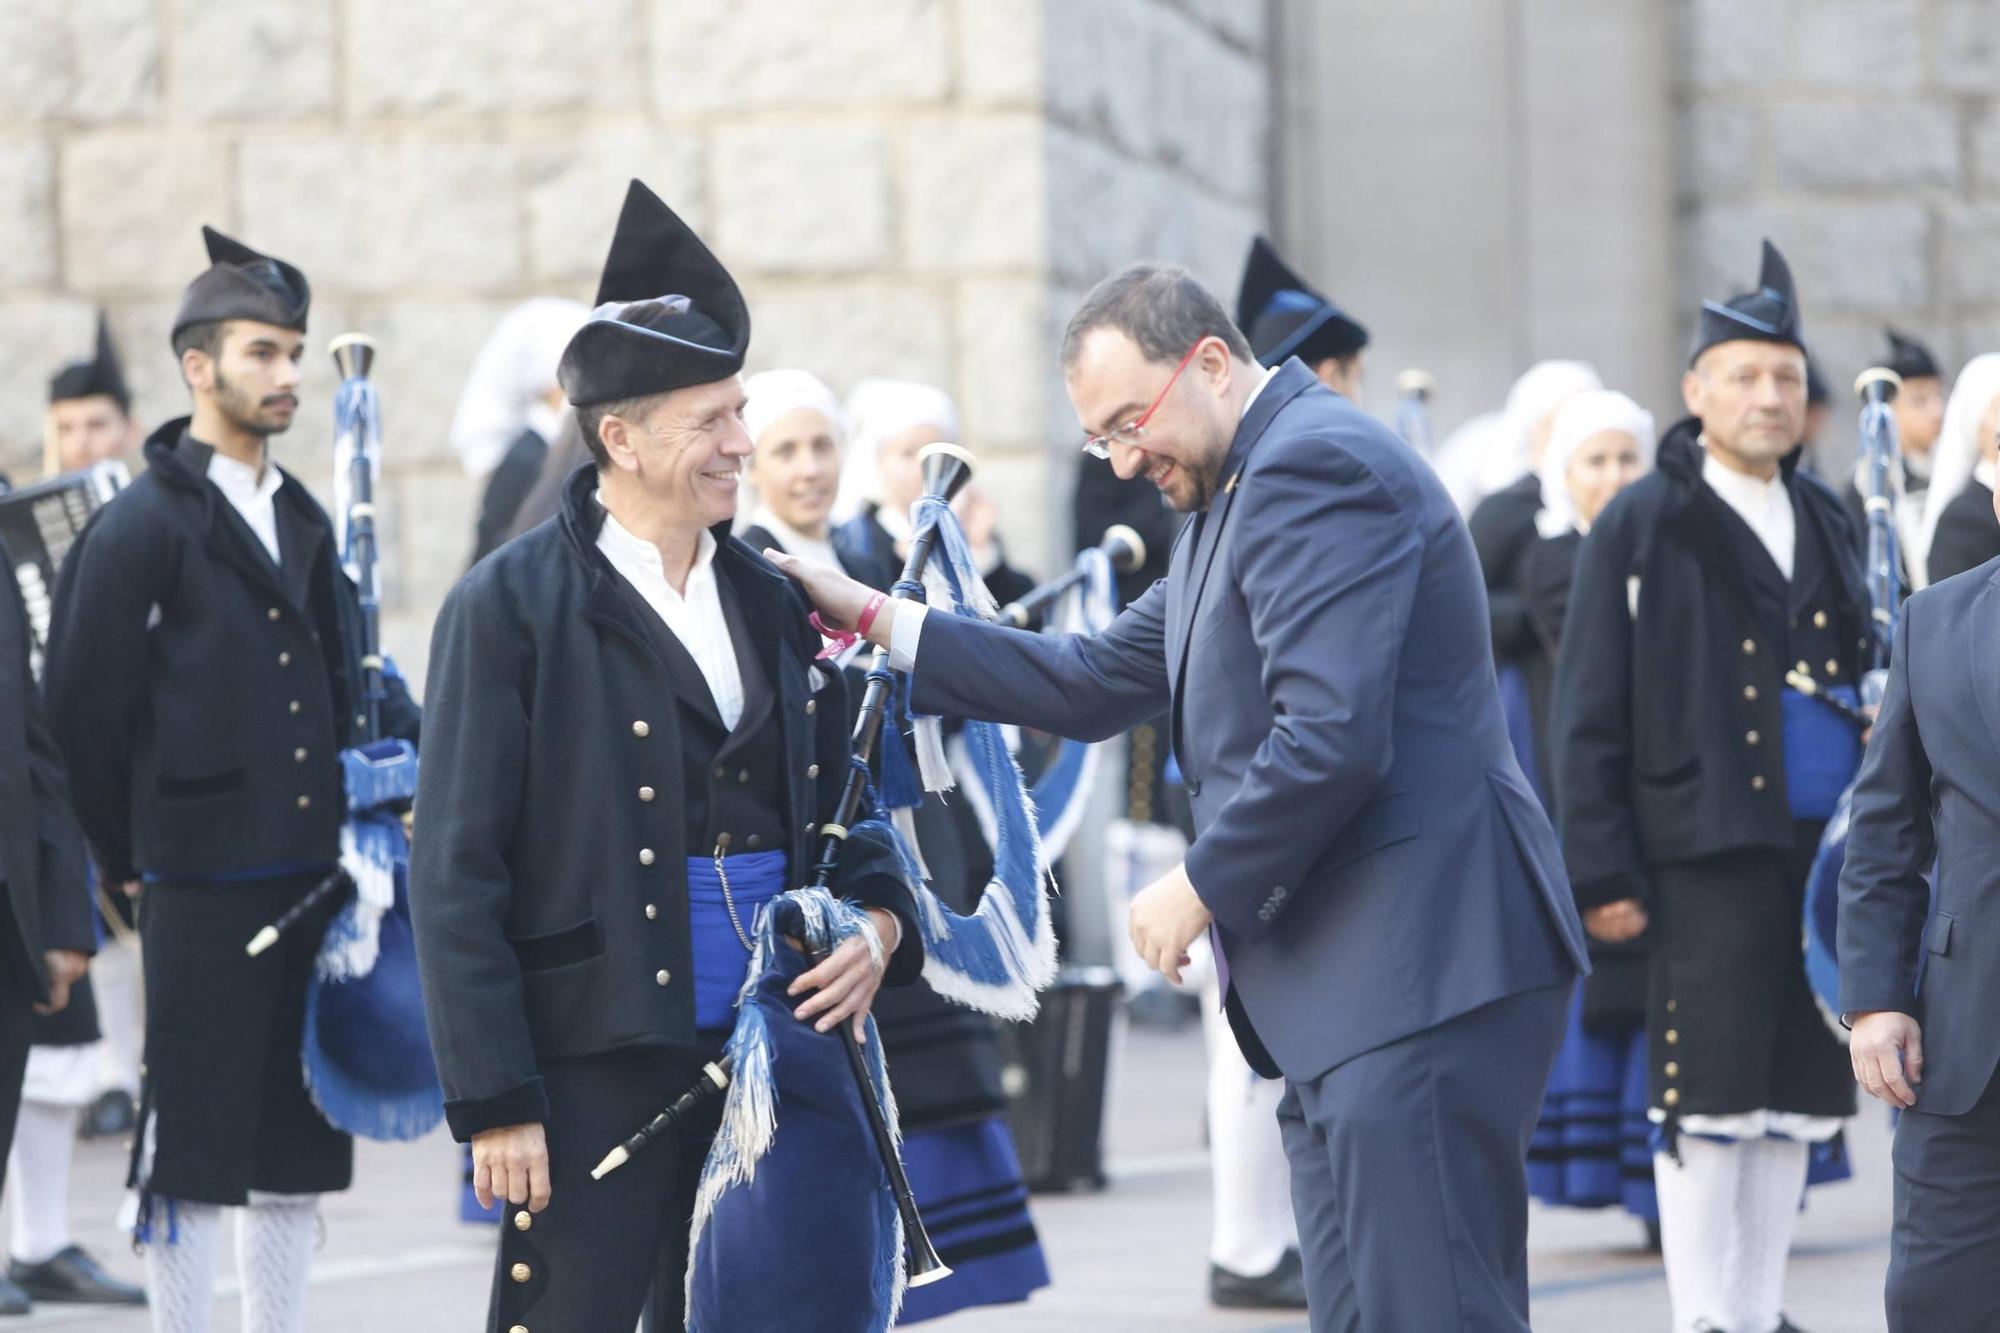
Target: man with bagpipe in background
[(205, 672), (633, 667), (1703, 731)]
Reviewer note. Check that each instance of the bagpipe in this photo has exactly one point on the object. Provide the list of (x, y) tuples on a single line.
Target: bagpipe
[(367, 1053), (803, 1202), (1413, 409), (1881, 468)]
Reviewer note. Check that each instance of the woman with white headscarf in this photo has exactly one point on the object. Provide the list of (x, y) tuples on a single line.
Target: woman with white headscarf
[(794, 423), (511, 410), (1592, 1147), (891, 421), (1960, 530)]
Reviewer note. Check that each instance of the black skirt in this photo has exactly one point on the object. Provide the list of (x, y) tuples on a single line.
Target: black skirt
[(224, 1108), (1732, 1025)]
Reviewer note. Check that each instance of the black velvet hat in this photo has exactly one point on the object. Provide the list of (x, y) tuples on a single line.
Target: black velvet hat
[(1910, 358), (100, 374), (1769, 314), (242, 284), (668, 314), (1283, 316)]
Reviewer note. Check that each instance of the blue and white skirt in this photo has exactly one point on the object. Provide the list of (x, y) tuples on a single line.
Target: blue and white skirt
[(967, 1183)]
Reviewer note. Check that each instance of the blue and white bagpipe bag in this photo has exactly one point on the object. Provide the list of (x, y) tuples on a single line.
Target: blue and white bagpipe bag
[(794, 1211), (367, 1052)]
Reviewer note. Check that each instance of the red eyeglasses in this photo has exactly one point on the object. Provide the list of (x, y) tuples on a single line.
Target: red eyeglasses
[(1133, 431)]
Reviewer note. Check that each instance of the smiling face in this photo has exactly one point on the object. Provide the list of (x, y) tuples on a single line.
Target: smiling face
[(684, 453), (1185, 441), (796, 469)]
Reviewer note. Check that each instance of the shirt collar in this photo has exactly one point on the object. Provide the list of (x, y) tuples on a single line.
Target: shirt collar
[(1740, 488), (625, 547), (789, 537), (236, 477), (1265, 379)]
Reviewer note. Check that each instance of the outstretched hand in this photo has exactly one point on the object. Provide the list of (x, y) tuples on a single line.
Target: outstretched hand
[(839, 599)]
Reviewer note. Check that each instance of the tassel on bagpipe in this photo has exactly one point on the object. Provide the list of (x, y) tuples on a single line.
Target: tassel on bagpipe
[(1882, 466)]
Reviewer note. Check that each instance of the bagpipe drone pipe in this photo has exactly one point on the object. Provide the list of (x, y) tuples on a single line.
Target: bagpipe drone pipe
[(803, 1201), (1881, 473), (367, 1053)]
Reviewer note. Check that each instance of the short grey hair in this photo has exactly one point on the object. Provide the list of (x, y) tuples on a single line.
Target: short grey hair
[(1158, 306), (589, 418)]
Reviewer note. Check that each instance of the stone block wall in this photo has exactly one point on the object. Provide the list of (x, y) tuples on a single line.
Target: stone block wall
[(905, 187)]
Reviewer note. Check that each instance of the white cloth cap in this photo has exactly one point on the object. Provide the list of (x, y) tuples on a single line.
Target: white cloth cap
[(1588, 413), (514, 368), (772, 393), (1545, 387), (877, 410), (1957, 453)]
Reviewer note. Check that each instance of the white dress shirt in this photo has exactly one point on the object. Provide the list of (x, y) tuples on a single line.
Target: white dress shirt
[(907, 629), (694, 616), (1765, 505), (250, 493)]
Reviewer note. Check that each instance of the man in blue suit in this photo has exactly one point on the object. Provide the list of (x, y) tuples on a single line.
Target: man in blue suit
[(1383, 891), (1918, 981)]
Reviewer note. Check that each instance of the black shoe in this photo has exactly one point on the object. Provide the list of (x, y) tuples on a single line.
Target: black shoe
[(1283, 1288), (73, 1277), (110, 1115), (13, 1300)]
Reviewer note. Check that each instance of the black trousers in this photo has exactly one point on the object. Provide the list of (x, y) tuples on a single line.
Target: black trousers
[(605, 1250), (224, 1109), (17, 1025), (1944, 1251)]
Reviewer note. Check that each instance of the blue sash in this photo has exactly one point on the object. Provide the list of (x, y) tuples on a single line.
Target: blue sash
[(720, 959), (1822, 752)]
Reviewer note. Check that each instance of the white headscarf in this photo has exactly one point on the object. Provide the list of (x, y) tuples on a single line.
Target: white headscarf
[(1587, 414), (877, 410), (772, 393), (1958, 452), (515, 367), (1546, 386)]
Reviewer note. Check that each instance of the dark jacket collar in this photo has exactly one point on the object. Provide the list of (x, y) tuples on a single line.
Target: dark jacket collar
[(1288, 382), (1680, 454)]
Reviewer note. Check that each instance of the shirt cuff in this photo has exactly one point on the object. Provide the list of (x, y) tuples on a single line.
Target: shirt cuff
[(904, 633)]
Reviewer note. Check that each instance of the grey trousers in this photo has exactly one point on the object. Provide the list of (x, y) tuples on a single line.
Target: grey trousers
[(1409, 1177), (1944, 1250)]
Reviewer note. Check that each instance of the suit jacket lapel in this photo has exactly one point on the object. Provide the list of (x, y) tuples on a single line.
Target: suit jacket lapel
[(299, 543), (1982, 648)]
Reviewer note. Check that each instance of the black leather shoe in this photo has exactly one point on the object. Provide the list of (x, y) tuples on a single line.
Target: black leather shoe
[(73, 1277), (1283, 1288), (13, 1300)]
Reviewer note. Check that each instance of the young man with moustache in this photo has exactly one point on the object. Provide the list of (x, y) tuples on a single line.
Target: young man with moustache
[(203, 676)]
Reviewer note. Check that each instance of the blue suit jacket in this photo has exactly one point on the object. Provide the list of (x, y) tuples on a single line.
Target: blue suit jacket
[(1374, 858), (1930, 786)]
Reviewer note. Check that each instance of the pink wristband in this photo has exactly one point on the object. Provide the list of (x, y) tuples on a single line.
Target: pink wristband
[(869, 612)]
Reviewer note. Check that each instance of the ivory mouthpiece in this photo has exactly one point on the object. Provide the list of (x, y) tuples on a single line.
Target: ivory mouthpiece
[(261, 941), (614, 1159)]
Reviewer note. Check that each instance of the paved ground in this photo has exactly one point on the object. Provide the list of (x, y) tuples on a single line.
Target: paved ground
[(1132, 1257)]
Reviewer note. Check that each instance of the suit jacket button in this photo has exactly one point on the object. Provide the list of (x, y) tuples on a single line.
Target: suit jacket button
[(518, 1328), (721, 773), (1750, 693), (523, 1220), (1757, 782), (1749, 647), (1819, 620), (1194, 786), (520, 1272), (1832, 667), (723, 840), (1673, 1069), (743, 776), (652, 912), (293, 707), (645, 793), (1805, 668), (812, 771), (641, 730), (1672, 1096), (284, 659), (273, 613), (754, 841), (662, 977), (645, 856), (812, 706), (1673, 1036), (299, 755), (305, 802), (1751, 738)]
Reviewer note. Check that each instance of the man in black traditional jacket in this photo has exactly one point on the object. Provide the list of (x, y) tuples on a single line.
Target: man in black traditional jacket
[(46, 937), (203, 675), (1696, 768), (629, 749)]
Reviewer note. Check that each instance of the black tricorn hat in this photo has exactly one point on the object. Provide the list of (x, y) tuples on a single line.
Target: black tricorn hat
[(1769, 314), (1283, 316), (668, 314), (1910, 358), (242, 284), (101, 374)]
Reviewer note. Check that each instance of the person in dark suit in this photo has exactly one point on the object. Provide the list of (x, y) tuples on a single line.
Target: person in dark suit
[(46, 934), (1959, 529), (1694, 775), (1383, 891), (1918, 981)]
